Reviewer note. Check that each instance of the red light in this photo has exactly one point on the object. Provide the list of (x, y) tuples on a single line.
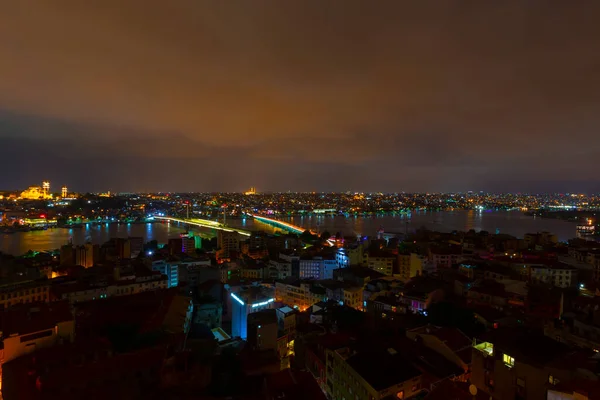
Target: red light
[(42, 215)]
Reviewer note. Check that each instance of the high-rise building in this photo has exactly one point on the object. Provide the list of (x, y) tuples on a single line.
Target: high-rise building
[(123, 247), (174, 245), (86, 255), (136, 244), (228, 242), (116, 248), (244, 301), (188, 244), (67, 256), (262, 330)]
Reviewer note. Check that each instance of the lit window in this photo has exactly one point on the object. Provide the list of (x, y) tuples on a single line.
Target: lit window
[(508, 360)]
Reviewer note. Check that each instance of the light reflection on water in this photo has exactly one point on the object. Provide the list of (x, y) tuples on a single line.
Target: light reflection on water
[(510, 222)]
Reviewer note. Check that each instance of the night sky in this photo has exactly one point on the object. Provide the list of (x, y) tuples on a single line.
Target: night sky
[(191, 95)]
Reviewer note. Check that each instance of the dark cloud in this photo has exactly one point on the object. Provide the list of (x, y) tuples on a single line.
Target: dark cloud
[(311, 95)]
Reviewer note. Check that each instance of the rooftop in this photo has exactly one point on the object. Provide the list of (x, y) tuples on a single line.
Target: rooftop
[(382, 368), (263, 317), (293, 385), (448, 389), (526, 346), (454, 338), (34, 317)]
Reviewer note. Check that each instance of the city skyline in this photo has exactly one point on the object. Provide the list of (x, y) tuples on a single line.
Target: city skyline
[(198, 97), (62, 191)]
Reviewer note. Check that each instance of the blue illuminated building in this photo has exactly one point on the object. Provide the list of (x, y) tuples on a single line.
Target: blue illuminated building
[(244, 301), (168, 269)]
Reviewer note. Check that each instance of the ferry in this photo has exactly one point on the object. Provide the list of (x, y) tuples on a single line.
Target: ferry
[(586, 229)]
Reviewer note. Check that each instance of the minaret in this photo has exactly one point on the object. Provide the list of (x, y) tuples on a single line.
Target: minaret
[(46, 188)]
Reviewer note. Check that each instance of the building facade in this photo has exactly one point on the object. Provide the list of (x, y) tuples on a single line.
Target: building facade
[(245, 301)]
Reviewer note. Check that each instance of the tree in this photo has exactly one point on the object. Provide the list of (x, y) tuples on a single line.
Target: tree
[(306, 236), (325, 235)]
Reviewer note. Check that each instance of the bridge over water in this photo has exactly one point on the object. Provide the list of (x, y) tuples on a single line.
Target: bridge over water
[(204, 223), (282, 225)]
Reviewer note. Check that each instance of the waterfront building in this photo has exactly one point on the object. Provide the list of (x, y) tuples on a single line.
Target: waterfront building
[(115, 249), (67, 256), (85, 255), (228, 243), (35, 193), (188, 244)]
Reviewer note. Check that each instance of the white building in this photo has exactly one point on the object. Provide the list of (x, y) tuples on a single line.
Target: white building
[(317, 268), (558, 274)]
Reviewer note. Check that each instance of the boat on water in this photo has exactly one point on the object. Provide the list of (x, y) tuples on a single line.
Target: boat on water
[(584, 230)]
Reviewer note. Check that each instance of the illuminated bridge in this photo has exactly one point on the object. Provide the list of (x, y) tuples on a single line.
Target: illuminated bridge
[(280, 224), (205, 223)]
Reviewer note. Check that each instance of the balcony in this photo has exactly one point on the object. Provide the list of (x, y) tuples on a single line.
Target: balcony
[(486, 348)]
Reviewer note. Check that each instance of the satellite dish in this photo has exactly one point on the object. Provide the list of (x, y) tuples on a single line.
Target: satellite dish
[(473, 390)]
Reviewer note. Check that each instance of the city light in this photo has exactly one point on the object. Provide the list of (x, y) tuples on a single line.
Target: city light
[(264, 303), (237, 298), (293, 228), (205, 223)]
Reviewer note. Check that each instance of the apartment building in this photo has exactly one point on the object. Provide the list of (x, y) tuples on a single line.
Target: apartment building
[(26, 291)]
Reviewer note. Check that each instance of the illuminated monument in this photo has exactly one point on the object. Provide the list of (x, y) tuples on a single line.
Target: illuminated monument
[(251, 191), (64, 192), (37, 192)]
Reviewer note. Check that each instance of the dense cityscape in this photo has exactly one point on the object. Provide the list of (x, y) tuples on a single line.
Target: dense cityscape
[(299, 200), (69, 208), (287, 311)]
